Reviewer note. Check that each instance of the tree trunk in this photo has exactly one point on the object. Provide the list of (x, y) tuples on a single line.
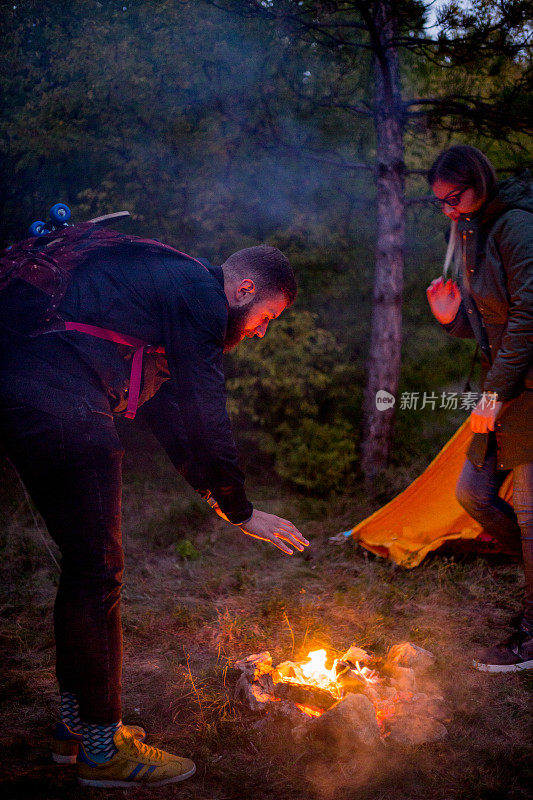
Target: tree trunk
[(383, 364)]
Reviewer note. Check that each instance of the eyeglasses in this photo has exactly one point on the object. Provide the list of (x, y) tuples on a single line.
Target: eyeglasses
[(453, 199)]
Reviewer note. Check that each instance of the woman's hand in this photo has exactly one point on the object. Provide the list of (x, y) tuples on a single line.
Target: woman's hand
[(483, 417), (275, 530), (444, 299)]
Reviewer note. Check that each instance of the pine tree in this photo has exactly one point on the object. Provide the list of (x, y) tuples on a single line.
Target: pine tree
[(485, 38)]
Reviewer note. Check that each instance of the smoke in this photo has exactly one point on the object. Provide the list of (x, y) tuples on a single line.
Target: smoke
[(191, 119)]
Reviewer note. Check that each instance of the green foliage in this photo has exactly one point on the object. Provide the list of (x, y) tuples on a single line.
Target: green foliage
[(219, 131), (155, 107), (285, 375), (186, 550), (319, 458), (294, 392)]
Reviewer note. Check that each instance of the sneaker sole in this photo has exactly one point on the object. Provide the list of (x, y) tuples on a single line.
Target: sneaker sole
[(127, 784), (502, 667), (57, 758)]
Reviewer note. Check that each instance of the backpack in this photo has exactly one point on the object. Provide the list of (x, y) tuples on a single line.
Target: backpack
[(36, 272)]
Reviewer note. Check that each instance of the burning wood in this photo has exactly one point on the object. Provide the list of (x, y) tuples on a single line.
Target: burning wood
[(304, 694), (360, 699)]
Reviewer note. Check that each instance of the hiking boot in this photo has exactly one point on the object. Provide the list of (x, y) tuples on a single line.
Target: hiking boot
[(512, 655), (66, 743), (134, 764)]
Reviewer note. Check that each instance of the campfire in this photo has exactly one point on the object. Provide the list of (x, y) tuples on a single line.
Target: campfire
[(358, 699)]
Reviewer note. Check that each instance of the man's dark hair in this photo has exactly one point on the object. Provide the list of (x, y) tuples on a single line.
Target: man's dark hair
[(465, 166), (268, 268)]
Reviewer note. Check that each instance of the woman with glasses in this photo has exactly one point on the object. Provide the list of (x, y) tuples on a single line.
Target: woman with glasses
[(491, 300)]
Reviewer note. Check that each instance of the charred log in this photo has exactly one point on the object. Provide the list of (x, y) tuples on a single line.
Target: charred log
[(305, 695)]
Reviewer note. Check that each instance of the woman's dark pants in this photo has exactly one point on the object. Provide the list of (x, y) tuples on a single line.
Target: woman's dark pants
[(71, 467), (477, 491)]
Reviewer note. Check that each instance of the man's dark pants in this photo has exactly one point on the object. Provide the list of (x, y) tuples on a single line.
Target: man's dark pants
[(477, 491), (71, 466)]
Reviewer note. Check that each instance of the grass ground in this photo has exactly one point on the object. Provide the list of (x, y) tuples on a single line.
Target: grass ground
[(200, 595)]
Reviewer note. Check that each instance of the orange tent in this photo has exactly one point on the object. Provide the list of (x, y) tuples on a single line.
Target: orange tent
[(426, 514)]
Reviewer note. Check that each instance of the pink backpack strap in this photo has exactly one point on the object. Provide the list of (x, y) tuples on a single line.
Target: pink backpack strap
[(137, 361), (122, 338)]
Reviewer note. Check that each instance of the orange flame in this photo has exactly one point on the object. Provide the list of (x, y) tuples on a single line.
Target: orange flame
[(316, 673)]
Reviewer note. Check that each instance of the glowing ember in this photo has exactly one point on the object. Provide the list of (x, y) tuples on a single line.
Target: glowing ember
[(311, 711)]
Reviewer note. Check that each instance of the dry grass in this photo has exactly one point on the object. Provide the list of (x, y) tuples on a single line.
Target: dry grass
[(187, 620)]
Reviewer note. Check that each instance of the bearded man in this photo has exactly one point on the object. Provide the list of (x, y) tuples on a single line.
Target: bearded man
[(59, 395)]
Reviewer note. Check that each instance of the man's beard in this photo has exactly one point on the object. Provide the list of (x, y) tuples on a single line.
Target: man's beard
[(235, 329)]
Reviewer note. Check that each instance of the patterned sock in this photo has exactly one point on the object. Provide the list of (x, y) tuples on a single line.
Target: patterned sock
[(98, 740), (70, 712)]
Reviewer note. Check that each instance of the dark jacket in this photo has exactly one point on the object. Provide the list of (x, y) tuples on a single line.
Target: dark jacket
[(496, 282), (163, 299)]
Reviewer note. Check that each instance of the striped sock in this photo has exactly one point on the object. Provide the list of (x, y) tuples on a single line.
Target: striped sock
[(98, 740), (70, 712)]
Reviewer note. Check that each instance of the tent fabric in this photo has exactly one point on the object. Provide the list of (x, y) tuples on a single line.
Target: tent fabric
[(426, 514)]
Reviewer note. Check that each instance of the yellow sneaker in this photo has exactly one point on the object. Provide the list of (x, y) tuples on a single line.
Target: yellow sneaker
[(66, 742), (135, 764)]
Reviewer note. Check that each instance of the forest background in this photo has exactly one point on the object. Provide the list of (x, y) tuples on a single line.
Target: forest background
[(219, 125), (218, 132)]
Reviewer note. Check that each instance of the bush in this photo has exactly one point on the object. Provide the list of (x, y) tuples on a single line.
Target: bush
[(295, 394), (319, 458)]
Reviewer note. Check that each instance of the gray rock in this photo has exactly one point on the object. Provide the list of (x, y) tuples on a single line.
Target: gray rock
[(251, 694), (387, 692), (266, 683), (410, 655), (421, 705), (285, 710), (347, 726), (354, 654), (402, 678), (255, 665)]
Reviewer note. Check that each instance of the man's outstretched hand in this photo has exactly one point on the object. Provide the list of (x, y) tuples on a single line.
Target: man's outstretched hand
[(276, 530), (269, 528)]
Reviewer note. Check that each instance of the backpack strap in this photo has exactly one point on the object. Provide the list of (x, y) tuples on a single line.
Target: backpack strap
[(57, 253), (137, 361), (132, 341)]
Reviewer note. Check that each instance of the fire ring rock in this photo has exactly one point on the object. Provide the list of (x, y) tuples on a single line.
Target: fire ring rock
[(402, 678), (252, 694), (255, 665), (347, 726), (411, 656)]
